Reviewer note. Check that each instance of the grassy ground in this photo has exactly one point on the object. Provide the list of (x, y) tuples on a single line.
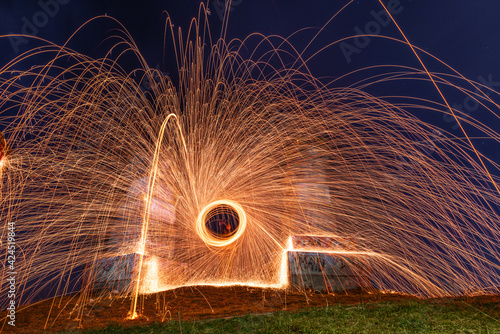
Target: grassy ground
[(385, 317)]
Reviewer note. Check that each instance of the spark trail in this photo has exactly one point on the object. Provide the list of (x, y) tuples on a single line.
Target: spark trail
[(97, 170)]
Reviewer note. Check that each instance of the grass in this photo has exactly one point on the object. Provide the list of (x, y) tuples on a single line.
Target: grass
[(395, 317)]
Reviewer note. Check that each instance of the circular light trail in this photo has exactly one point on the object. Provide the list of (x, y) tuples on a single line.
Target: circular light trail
[(221, 223)]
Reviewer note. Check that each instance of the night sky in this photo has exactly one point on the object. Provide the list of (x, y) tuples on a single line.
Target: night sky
[(462, 33)]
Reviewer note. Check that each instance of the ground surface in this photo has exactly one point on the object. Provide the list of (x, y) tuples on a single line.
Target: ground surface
[(199, 303)]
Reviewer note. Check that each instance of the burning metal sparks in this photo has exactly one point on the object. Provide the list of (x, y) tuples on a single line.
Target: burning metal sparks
[(207, 181)]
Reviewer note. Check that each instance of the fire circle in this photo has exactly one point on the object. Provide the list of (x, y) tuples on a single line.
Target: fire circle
[(221, 223)]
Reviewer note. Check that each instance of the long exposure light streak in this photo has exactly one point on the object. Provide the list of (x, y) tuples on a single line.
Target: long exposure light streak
[(206, 179), (147, 212), (442, 96)]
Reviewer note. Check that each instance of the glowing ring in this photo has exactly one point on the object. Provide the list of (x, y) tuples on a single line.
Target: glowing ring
[(209, 237)]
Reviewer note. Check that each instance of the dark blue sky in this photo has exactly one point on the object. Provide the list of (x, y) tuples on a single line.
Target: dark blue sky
[(461, 32)]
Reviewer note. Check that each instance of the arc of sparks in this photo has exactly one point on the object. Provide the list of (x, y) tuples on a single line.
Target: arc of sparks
[(442, 97), (147, 210)]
